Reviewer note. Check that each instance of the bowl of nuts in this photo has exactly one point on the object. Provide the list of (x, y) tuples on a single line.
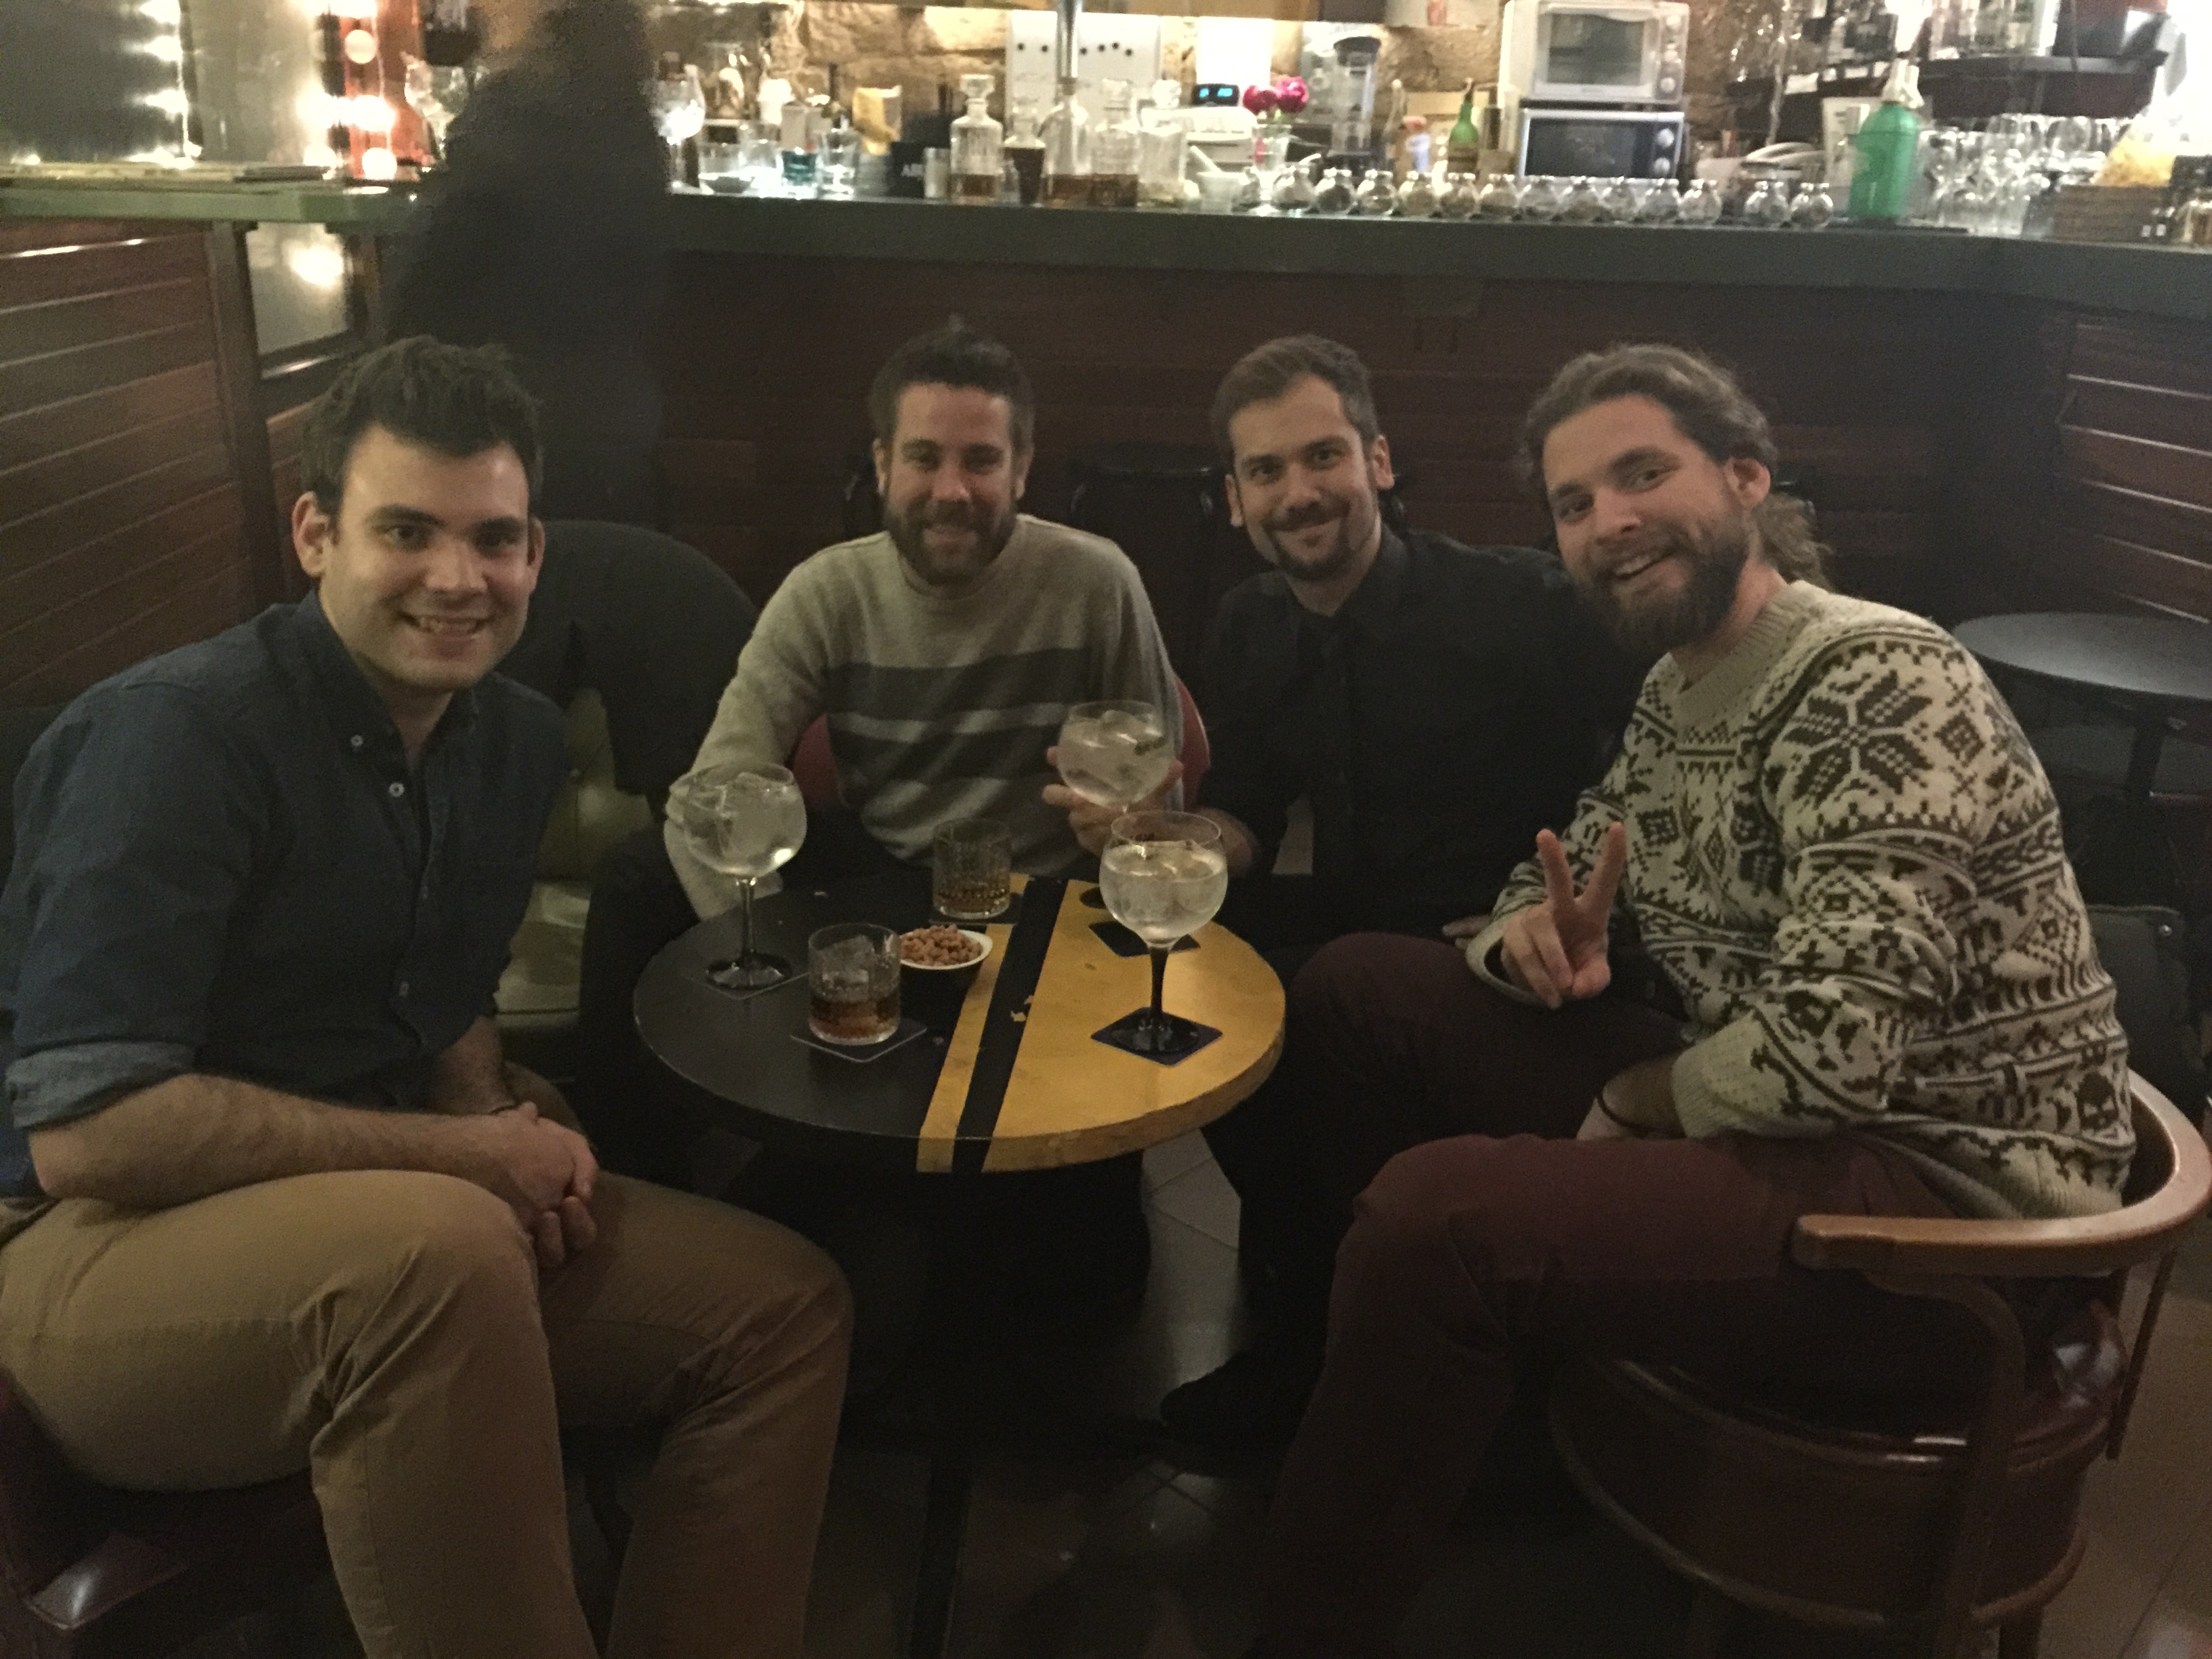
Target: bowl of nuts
[(942, 949)]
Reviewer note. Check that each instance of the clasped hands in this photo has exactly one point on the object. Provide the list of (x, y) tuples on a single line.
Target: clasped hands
[(544, 1169)]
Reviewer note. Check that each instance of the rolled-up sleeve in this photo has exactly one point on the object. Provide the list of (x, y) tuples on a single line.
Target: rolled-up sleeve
[(135, 839)]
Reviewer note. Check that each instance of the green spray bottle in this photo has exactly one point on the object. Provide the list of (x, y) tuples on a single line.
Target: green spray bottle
[(1888, 147)]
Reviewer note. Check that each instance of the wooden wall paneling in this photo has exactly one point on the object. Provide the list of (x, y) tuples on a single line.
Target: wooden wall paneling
[(119, 508), (238, 363), (2169, 471)]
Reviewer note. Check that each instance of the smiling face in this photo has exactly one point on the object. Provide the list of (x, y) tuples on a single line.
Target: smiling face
[(1654, 532), (1305, 484), (425, 573), (951, 482)]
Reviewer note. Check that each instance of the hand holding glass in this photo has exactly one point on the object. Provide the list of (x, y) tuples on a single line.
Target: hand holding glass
[(1164, 875), (743, 823), (1114, 754)]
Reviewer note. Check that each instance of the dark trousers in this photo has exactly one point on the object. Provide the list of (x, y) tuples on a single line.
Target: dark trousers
[(1485, 1243)]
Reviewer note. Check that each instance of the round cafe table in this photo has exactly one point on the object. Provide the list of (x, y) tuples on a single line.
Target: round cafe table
[(2146, 667), (1006, 1075)]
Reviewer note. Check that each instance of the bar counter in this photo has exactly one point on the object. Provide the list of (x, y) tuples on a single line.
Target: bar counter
[(1981, 423), (2144, 281)]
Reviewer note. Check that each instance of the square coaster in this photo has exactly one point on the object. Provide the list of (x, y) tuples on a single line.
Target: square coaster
[(1128, 1034), (1123, 943), (861, 1054)]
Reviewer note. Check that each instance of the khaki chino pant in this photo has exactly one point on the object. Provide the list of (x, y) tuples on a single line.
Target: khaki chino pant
[(389, 1331)]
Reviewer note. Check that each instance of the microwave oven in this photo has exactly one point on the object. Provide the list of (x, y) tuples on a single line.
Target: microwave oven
[(1585, 52), (1599, 143)]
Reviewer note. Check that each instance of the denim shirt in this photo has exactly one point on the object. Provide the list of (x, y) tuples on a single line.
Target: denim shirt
[(224, 864)]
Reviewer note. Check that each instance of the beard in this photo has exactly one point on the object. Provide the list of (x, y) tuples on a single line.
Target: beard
[(950, 567), (1712, 557), (1336, 556)]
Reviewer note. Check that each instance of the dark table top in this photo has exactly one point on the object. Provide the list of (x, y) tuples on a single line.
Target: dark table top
[(1006, 1077), (2146, 659)]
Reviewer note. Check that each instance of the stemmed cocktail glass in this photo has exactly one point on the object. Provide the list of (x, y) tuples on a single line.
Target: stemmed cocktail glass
[(742, 822), (1114, 754), (1164, 876)]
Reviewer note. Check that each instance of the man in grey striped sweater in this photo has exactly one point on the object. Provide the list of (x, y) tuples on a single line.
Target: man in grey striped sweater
[(943, 651), (946, 649)]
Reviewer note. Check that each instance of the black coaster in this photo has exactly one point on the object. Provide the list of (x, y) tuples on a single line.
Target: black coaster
[(860, 1054), (1139, 1035), (1123, 943)]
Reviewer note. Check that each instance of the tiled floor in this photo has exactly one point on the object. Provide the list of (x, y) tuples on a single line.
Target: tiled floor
[(1131, 1560)]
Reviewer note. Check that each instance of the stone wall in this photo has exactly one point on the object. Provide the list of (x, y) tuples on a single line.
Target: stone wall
[(923, 49)]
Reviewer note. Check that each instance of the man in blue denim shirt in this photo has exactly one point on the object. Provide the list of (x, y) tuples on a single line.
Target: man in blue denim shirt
[(291, 1208)]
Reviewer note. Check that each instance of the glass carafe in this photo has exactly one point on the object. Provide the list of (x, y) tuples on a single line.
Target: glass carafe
[(1067, 150), (1163, 147), (1024, 153), (977, 145), (1114, 150)]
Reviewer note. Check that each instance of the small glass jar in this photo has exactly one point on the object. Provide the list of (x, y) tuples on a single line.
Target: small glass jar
[(1500, 196), (1334, 194), (1616, 202), (1416, 198), (1582, 205), (1812, 208), (1768, 204), (1701, 204), (1376, 196), (1294, 191), (1462, 196), (1661, 204), (1540, 198)]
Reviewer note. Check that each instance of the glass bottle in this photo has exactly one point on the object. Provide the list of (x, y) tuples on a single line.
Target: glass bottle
[(1067, 150), (1812, 208), (1580, 205), (1114, 150), (1293, 190), (1462, 196), (1417, 196), (1701, 204), (1024, 153), (1662, 205), (1617, 203), (1500, 198), (1375, 198), (977, 143)]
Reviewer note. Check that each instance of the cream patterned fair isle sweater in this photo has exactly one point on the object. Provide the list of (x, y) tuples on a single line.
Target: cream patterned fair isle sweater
[(1844, 854)]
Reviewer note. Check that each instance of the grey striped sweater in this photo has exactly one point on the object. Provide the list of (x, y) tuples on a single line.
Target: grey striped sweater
[(939, 707)]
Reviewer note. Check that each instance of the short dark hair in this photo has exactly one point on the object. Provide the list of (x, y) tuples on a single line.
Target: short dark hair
[(1708, 407), (1267, 373), (458, 400), (956, 355)]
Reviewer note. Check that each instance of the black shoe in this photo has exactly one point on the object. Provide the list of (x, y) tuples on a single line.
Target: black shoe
[(1246, 1411)]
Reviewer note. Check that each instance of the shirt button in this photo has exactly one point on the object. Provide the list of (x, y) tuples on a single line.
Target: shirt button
[(354, 741), (397, 790)]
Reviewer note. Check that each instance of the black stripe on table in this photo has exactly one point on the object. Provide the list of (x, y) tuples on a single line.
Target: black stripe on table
[(1003, 1024)]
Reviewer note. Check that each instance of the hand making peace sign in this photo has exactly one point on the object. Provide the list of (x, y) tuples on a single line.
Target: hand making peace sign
[(1556, 950)]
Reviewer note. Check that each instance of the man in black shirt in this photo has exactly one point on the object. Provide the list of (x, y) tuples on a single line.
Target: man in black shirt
[(1435, 704)]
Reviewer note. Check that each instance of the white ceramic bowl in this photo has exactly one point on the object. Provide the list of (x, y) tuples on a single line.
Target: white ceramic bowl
[(974, 937)]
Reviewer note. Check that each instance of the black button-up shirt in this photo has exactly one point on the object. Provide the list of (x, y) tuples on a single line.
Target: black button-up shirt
[(1457, 703), (224, 864)]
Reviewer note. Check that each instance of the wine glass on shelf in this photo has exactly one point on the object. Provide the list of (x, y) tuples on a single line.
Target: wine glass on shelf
[(1114, 754), (743, 823), (1164, 875)]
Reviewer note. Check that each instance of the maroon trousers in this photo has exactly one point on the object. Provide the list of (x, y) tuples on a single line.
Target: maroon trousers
[(1472, 1257)]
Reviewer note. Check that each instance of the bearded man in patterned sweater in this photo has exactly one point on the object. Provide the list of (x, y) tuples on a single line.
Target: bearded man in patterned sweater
[(1867, 985)]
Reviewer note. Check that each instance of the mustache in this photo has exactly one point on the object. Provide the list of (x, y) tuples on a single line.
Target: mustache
[(1305, 518), (1657, 540), (949, 516)]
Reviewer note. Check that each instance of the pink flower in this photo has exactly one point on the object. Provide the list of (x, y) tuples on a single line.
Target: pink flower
[(1291, 96), (1262, 100)]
